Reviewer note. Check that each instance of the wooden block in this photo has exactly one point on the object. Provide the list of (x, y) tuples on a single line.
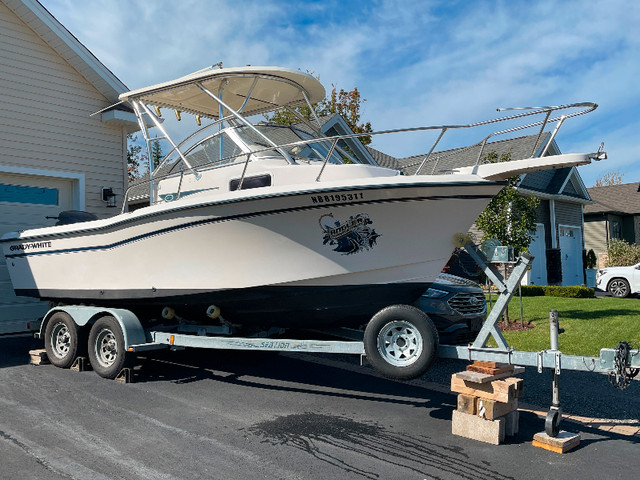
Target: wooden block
[(564, 442), (39, 357), (490, 368), (512, 423), (486, 364), (476, 428), (519, 384), (467, 404), (490, 409), (477, 377), (498, 390)]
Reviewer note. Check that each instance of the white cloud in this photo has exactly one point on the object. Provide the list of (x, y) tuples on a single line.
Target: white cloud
[(416, 63)]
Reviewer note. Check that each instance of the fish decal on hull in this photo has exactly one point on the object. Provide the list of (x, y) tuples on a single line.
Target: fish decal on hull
[(349, 236)]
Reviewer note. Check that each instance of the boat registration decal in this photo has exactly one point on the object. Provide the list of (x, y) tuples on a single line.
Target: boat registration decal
[(349, 236), (338, 197)]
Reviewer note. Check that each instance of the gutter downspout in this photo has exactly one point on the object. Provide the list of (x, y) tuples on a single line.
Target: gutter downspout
[(552, 221)]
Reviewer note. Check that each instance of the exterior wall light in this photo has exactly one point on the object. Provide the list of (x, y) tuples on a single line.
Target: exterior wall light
[(108, 196)]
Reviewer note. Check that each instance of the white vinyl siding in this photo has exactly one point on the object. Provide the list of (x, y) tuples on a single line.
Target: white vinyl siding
[(45, 120), (20, 211)]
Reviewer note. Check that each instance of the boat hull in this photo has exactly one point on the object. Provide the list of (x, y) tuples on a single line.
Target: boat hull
[(328, 256)]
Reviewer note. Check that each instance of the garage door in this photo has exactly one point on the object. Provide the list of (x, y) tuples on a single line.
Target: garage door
[(537, 248), (25, 202), (571, 253)]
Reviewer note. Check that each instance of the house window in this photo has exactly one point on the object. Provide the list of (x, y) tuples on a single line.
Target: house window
[(33, 195), (616, 230)]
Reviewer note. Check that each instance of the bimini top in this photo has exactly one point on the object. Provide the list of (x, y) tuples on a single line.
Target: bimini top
[(268, 89)]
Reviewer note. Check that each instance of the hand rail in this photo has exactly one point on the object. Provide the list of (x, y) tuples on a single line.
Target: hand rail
[(585, 107)]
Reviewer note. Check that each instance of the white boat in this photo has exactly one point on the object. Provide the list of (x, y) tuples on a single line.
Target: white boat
[(271, 233)]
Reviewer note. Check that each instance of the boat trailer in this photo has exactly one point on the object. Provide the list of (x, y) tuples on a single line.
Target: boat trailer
[(121, 331)]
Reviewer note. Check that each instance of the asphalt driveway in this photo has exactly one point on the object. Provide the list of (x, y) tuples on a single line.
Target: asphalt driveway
[(200, 414)]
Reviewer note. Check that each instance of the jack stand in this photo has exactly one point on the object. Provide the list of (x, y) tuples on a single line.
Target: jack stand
[(507, 289), (552, 438), (554, 417), (125, 376), (81, 364)]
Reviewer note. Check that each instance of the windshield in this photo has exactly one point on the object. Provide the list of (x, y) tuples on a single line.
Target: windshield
[(280, 135), (230, 146), (216, 149)]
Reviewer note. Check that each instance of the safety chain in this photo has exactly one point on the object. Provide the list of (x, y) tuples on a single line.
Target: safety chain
[(622, 375), (456, 255)]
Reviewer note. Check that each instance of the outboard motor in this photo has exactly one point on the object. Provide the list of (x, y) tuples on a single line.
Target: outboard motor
[(73, 216)]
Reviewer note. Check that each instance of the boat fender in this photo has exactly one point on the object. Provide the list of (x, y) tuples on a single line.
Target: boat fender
[(213, 311)]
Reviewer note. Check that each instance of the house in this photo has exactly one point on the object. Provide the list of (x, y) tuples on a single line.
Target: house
[(56, 156), (558, 240), (615, 213)]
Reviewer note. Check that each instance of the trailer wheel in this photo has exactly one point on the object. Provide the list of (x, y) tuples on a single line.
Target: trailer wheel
[(107, 352), (63, 340), (401, 342)]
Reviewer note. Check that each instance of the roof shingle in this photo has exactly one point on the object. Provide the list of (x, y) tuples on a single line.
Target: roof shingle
[(624, 198)]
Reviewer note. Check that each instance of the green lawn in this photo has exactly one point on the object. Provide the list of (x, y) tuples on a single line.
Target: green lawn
[(590, 323)]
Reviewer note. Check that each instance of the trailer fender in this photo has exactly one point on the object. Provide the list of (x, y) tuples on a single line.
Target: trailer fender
[(131, 327)]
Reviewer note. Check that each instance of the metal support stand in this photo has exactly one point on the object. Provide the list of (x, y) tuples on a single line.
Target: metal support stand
[(554, 417), (81, 364), (125, 376), (507, 289)]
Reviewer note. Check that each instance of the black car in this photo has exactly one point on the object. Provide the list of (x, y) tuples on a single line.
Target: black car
[(456, 306)]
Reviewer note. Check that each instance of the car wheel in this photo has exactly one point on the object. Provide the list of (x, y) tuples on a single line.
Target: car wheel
[(401, 342), (619, 287)]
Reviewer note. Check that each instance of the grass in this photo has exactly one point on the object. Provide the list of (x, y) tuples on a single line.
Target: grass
[(589, 323)]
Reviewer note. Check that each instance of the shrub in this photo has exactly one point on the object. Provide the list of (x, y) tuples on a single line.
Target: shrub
[(569, 292), (590, 260), (622, 254), (532, 291), (553, 291)]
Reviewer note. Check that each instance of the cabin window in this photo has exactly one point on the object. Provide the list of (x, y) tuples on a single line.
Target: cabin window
[(251, 182), (33, 195)]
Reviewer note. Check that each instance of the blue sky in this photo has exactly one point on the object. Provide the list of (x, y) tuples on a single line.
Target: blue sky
[(416, 63)]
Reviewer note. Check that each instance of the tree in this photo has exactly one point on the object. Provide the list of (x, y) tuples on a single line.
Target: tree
[(135, 157), (156, 153), (609, 178), (345, 103), (509, 217)]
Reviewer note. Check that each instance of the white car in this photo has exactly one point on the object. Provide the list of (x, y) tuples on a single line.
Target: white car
[(619, 281)]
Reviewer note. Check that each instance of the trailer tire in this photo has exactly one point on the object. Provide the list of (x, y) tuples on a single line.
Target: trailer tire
[(401, 342), (107, 352), (63, 340)]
